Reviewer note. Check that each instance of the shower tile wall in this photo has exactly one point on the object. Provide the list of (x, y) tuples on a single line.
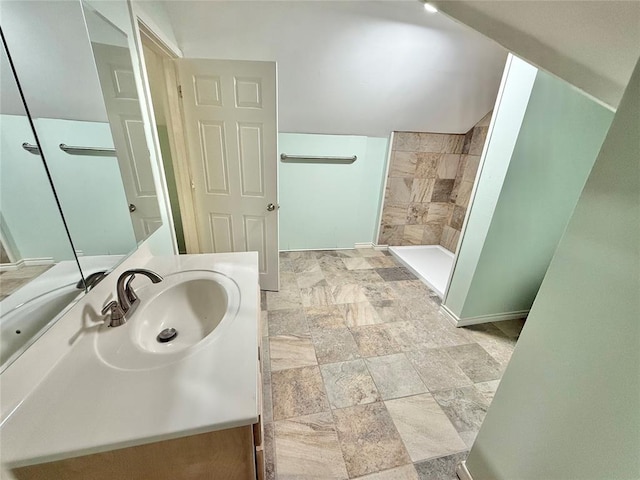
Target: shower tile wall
[(421, 179), (465, 176), (429, 186)]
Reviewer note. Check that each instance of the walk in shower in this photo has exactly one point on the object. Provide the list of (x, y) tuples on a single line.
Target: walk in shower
[(429, 184), (431, 263)]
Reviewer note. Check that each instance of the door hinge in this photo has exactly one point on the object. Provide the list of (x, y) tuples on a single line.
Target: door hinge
[(180, 91), (193, 185)]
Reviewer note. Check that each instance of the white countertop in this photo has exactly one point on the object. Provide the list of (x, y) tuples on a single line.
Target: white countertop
[(85, 406), (62, 273)]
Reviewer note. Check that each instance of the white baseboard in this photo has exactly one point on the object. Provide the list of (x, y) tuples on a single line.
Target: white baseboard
[(333, 249), (463, 472), (494, 317), (26, 262), (355, 245), (29, 262)]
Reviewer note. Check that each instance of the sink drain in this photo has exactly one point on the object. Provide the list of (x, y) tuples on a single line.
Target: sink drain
[(167, 335)]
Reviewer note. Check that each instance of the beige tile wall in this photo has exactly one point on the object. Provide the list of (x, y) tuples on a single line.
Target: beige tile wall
[(465, 176), (421, 178), (429, 186)]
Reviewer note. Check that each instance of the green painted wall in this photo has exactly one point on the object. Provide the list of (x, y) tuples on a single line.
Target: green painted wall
[(557, 144), (568, 406), (330, 206), (29, 215), (90, 188), (511, 105)]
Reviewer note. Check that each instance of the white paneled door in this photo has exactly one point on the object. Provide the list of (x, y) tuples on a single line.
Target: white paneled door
[(123, 110), (230, 121)]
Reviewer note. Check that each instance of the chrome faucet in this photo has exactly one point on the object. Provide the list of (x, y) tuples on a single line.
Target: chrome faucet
[(128, 301)]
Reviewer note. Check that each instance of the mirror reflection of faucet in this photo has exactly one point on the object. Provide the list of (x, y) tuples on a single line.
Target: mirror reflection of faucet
[(91, 281), (120, 310)]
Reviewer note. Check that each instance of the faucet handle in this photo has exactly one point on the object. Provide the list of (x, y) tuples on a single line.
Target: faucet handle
[(115, 312)]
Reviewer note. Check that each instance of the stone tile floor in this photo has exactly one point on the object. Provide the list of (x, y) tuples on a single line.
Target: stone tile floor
[(364, 378)]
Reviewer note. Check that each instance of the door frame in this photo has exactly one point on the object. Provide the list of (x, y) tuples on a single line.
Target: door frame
[(175, 130), (180, 161)]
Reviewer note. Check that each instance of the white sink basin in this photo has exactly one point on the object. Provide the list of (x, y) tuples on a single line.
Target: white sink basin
[(196, 304)]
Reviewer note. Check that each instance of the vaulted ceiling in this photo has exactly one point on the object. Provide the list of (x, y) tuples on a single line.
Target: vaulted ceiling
[(352, 67), (592, 44)]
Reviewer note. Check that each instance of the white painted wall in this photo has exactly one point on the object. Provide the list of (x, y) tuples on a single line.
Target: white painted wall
[(352, 68), (568, 405), (592, 44), (154, 15)]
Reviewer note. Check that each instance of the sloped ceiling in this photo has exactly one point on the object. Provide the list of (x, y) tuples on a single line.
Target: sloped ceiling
[(592, 44), (352, 67)]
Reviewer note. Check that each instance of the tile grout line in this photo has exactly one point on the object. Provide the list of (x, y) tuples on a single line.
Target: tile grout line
[(412, 347), (326, 392), (274, 456)]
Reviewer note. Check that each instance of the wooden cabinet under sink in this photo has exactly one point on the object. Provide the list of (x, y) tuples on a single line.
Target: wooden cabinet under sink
[(232, 454), (225, 454)]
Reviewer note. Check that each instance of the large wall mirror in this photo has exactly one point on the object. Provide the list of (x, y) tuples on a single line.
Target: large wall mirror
[(76, 75), (39, 275)]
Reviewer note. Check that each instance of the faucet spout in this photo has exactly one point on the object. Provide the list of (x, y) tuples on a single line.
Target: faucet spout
[(127, 298)]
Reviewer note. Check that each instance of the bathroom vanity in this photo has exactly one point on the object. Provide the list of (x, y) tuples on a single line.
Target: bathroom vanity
[(108, 402)]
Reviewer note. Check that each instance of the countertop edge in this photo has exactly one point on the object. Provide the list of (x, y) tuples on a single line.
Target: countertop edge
[(136, 442), (249, 264)]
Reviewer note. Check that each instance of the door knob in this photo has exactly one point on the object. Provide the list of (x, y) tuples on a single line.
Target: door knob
[(132, 207), (271, 207)]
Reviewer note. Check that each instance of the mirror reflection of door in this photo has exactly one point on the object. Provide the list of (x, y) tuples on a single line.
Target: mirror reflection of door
[(54, 61), (230, 125), (123, 110)]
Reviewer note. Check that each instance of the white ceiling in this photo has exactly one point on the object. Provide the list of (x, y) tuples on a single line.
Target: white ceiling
[(352, 67), (347, 67), (592, 44)]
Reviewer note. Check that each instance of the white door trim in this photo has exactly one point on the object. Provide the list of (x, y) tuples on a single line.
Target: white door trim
[(180, 159), (175, 130)]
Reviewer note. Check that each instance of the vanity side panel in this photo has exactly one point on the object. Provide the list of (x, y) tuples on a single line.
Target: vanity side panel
[(227, 454), (258, 428)]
